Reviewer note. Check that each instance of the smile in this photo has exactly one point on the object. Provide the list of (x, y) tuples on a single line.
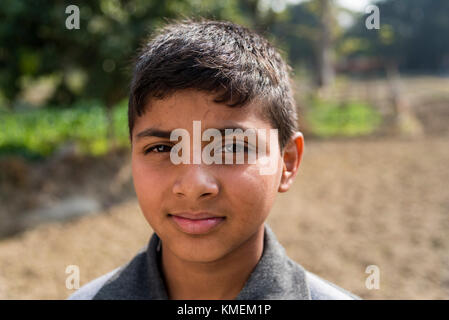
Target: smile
[(196, 224)]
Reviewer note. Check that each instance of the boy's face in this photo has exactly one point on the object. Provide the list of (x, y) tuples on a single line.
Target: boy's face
[(236, 197)]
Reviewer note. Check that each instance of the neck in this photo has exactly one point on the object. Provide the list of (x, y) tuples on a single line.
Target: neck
[(221, 279)]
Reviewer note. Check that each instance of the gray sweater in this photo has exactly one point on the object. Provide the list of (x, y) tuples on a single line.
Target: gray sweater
[(275, 277)]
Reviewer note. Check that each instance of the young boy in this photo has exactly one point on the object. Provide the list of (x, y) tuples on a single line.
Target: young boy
[(210, 239)]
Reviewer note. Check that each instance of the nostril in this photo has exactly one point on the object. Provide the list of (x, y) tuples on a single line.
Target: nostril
[(206, 194)]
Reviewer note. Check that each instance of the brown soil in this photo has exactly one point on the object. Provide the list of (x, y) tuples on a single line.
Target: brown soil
[(355, 203)]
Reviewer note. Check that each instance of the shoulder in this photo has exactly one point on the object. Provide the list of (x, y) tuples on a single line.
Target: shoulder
[(321, 289), (89, 290)]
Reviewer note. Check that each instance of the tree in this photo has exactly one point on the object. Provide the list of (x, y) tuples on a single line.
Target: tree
[(326, 71), (310, 31), (35, 42)]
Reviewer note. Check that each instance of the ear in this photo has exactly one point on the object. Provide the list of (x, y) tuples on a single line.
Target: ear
[(291, 157)]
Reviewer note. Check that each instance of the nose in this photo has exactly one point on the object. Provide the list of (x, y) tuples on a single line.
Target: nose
[(195, 182)]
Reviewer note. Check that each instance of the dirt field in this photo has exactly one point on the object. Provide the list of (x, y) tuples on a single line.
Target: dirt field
[(355, 203)]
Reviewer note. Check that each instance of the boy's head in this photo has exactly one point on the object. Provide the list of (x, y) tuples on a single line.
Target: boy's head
[(225, 76), (235, 64)]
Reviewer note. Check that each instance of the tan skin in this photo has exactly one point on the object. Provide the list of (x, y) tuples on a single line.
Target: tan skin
[(214, 265)]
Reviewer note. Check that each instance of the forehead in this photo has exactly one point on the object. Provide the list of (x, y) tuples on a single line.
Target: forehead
[(180, 109)]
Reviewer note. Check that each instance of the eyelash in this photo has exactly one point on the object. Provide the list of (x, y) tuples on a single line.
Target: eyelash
[(245, 147), (150, 149)]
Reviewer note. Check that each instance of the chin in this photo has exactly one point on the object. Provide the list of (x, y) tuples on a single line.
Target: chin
[(201, 252), (202, 258)]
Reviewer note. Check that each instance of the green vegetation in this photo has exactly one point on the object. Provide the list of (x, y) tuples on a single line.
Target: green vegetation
[(40, 132), (43, 63), (94, 62), (348, 119)]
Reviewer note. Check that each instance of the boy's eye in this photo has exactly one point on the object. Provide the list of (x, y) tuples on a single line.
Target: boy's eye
[(233, 148), (159, 148)]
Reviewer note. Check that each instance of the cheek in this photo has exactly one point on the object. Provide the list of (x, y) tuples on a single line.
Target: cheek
[(251, 193), (149, 185)]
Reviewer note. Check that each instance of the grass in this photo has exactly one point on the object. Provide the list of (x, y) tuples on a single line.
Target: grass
[(348, 119), (37, 133)]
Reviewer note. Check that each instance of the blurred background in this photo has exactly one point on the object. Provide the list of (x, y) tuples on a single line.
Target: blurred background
[(374, 108)]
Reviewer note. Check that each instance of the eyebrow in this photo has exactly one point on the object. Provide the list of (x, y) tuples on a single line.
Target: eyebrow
[(153, 132)]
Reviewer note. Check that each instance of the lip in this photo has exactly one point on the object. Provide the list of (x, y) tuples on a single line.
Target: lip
[(196, 223)]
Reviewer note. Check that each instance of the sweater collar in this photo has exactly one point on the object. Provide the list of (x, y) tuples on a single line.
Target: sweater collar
[(275, 276)]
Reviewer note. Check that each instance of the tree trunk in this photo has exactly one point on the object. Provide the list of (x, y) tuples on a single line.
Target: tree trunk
[(406, 122), (326, 73)]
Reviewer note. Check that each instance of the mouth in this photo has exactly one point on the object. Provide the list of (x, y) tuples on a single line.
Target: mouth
[(196, 223)]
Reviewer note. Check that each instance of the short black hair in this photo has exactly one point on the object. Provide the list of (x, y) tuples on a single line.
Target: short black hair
[(220, 57)]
